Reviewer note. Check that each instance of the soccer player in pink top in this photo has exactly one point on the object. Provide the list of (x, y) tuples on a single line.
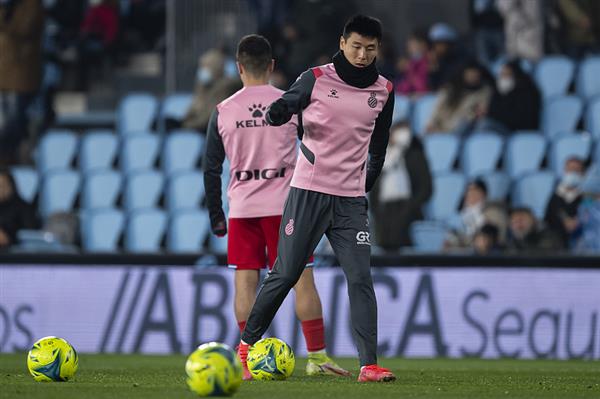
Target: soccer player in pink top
[(262, 160), (346, 111)]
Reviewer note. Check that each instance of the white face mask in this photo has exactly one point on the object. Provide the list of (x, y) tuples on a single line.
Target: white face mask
[(204, 75), (402, 137), (572, 180), (505, 84)]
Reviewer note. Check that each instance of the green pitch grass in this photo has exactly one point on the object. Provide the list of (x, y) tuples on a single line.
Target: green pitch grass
[(149, 377)]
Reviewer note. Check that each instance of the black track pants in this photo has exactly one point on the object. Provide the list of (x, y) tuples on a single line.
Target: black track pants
[(308, 215)]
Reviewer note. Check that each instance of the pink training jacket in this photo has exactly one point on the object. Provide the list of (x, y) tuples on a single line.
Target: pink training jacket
[(261, 157)]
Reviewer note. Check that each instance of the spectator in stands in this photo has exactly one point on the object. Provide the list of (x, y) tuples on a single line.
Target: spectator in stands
[(404, 187), (21, 25), (516, 102), (486, 240), (414, 70), (462, 101), (581, 19), (471, 216), (526, 235), (561, 214), (97, 38), (588, 239), (523, 28), (212, 87), (445, 57), (15, 213), (488, 30), (147, 18)]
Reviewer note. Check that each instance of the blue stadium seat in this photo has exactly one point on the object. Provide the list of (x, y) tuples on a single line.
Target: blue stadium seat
[(187, 231), (27, 181), (561, 114), (554, 74), (145, 230), (441, 151), (448, 189), (427, 236), (101, 189), (102, 229), (569, 145), (139, 152), (136, 113), (481, 153), (59, 191), (422, 109), (498, 185), (592, 117), (401, 109), (143, 189), (217, 245), (182, 151), (185, 190), (534, 191), (587, 84), (525, 152), (175, 106), (56, 150), (98, 150)]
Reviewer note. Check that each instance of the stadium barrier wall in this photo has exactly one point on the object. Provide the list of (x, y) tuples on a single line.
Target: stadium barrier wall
[(462, 311)]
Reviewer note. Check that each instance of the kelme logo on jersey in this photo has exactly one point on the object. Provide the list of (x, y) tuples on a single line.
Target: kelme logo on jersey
[(289, 227), (363, 238), (257, 111), (259, 174), (372, 101)]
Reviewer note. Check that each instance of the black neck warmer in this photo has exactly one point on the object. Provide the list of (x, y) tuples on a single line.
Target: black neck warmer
[(354, 76)]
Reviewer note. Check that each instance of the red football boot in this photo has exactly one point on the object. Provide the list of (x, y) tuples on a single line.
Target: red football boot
[(243, 355), (374, 373)]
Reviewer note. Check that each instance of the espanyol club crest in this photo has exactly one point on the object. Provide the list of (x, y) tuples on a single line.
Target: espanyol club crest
[(289, 227)]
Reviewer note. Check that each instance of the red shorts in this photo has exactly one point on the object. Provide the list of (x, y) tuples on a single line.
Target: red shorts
[(252, 242)]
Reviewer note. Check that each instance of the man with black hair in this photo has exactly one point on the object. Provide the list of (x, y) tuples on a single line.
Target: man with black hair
[(345, 112), (262, 160)]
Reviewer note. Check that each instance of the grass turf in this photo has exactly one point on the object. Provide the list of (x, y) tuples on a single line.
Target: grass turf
[(148, 377)]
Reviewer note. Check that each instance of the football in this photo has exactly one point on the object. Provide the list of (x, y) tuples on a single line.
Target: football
[(271, 359), (52, 359), (213, 370)]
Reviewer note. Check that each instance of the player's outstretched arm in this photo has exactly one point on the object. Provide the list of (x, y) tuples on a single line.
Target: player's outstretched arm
[(379, 142), (212, 164), (292, 101)]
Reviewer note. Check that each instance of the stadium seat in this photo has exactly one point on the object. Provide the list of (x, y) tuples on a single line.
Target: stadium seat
[(136, 113), (139, 152), (481, 153), (187, 231), (175, 106), (143, 190), (27, 181), (401, 109), (217, 245), (592, 118), (525, 152), (441, 151), (56, 150), (59, 191), (101, 189), (145, 230), (569, 145), (553, 75), (533, 191), (427, 236), (588, 84), (102, 229), (422, 109), (185, 190), (98, 150), (561, 114), (448, 189), (182, 151), (498, 185)]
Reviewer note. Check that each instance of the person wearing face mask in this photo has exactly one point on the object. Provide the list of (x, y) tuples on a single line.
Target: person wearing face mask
[(516, 103), (587, 237), (415, 69), (462, 101), (525, 234), (15, 213), (404, 187), (561, 213)]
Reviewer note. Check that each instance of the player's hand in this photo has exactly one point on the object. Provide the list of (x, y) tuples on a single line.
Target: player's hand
[(219, 228), (277, 114)]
